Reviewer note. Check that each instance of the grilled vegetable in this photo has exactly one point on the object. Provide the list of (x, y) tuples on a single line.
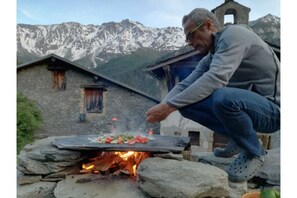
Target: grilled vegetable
[(122, 139)]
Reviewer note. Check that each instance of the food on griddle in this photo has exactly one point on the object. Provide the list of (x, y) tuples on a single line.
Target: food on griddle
[(122, 139)]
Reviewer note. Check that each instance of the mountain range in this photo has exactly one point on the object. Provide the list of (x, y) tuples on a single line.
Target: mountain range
[(98, 44), (94, 44), (126, 47)]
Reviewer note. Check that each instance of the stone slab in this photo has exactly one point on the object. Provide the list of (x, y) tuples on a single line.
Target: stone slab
[(157, 143)]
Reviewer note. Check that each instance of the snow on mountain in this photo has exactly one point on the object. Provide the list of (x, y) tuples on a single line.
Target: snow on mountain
[(268, 28), (270, 19), (98, 43)]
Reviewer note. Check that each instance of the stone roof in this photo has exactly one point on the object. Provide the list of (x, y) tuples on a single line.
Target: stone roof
[(83, 69), (230, 1)]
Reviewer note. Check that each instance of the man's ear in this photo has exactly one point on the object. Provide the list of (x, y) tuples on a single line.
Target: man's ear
[(208, 24)]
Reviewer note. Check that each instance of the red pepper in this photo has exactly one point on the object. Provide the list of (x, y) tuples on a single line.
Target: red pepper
[(108, 140), (140, 139), (137, 139), (132, 141), (144, 140)]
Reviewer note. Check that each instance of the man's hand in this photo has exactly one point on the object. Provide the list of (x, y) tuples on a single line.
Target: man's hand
[(159, 112)]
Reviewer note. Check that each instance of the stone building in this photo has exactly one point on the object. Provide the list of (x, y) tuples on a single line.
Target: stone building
[(240, 13), (78, 101)]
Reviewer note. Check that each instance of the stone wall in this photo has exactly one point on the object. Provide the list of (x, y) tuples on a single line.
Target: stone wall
[(61, 109)]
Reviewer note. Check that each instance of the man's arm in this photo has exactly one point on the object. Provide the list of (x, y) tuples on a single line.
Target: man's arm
[(159, 112)]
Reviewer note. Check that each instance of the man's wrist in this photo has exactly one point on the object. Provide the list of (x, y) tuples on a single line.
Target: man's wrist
[(171, 107)]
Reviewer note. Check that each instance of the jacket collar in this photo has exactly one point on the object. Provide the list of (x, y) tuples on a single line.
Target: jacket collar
[(215, 39)]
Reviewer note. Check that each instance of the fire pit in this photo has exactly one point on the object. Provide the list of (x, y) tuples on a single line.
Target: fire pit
[(75, 166), (120, 158)]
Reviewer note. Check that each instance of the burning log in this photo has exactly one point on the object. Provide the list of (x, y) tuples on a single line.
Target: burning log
[(141, 156), (115, 162), (102, 163), (86, 171)]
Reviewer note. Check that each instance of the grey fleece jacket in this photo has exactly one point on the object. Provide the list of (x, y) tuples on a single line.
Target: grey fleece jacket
[(240, 58)]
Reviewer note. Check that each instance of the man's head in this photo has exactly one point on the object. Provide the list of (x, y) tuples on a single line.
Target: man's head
[(198, 26)]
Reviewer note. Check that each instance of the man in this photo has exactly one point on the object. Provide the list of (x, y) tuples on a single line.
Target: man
[(234, 90)]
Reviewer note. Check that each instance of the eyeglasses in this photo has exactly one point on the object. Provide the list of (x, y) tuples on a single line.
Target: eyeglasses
[(190, 34)]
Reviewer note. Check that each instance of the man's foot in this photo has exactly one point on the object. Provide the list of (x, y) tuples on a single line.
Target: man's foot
[(230, 150), (244, 167)]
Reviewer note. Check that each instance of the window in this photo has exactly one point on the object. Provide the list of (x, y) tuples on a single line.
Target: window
[(94, 100), (194, 138), (59, 80)]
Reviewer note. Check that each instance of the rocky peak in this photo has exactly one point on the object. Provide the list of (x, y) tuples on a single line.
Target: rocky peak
[(268, 28)]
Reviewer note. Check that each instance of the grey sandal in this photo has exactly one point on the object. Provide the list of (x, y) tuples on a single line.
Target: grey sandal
[(244, 167), (230, 150)]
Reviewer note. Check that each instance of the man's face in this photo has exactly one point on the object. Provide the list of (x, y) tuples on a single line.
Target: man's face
[(198, 35)]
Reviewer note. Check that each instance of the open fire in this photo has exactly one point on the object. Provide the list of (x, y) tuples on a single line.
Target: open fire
[(115, 163)]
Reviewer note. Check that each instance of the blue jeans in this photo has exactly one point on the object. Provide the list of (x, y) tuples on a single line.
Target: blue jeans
[(238, 114)]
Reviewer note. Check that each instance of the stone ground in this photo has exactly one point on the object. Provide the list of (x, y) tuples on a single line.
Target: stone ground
[(115, 187)]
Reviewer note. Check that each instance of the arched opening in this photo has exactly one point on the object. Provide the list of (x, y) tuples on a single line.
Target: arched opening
[(230, 17)]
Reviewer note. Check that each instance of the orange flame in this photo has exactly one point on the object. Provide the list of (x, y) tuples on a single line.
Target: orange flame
[(126, 161), (125, 155), (134, 169), (90, 167)]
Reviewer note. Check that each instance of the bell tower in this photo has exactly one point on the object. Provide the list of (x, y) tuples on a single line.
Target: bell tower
[(239, 12)]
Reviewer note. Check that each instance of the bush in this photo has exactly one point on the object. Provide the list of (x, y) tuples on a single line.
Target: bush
[(28, 120)]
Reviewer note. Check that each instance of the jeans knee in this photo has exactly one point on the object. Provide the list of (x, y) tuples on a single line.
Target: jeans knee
[(221, 97)]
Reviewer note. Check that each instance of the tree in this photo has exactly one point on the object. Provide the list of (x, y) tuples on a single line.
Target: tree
[(28, 120)]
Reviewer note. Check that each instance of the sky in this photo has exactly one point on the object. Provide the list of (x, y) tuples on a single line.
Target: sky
[(151, 13)]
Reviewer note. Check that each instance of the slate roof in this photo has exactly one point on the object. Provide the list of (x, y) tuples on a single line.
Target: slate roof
[(84, 69), (234, 2)]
